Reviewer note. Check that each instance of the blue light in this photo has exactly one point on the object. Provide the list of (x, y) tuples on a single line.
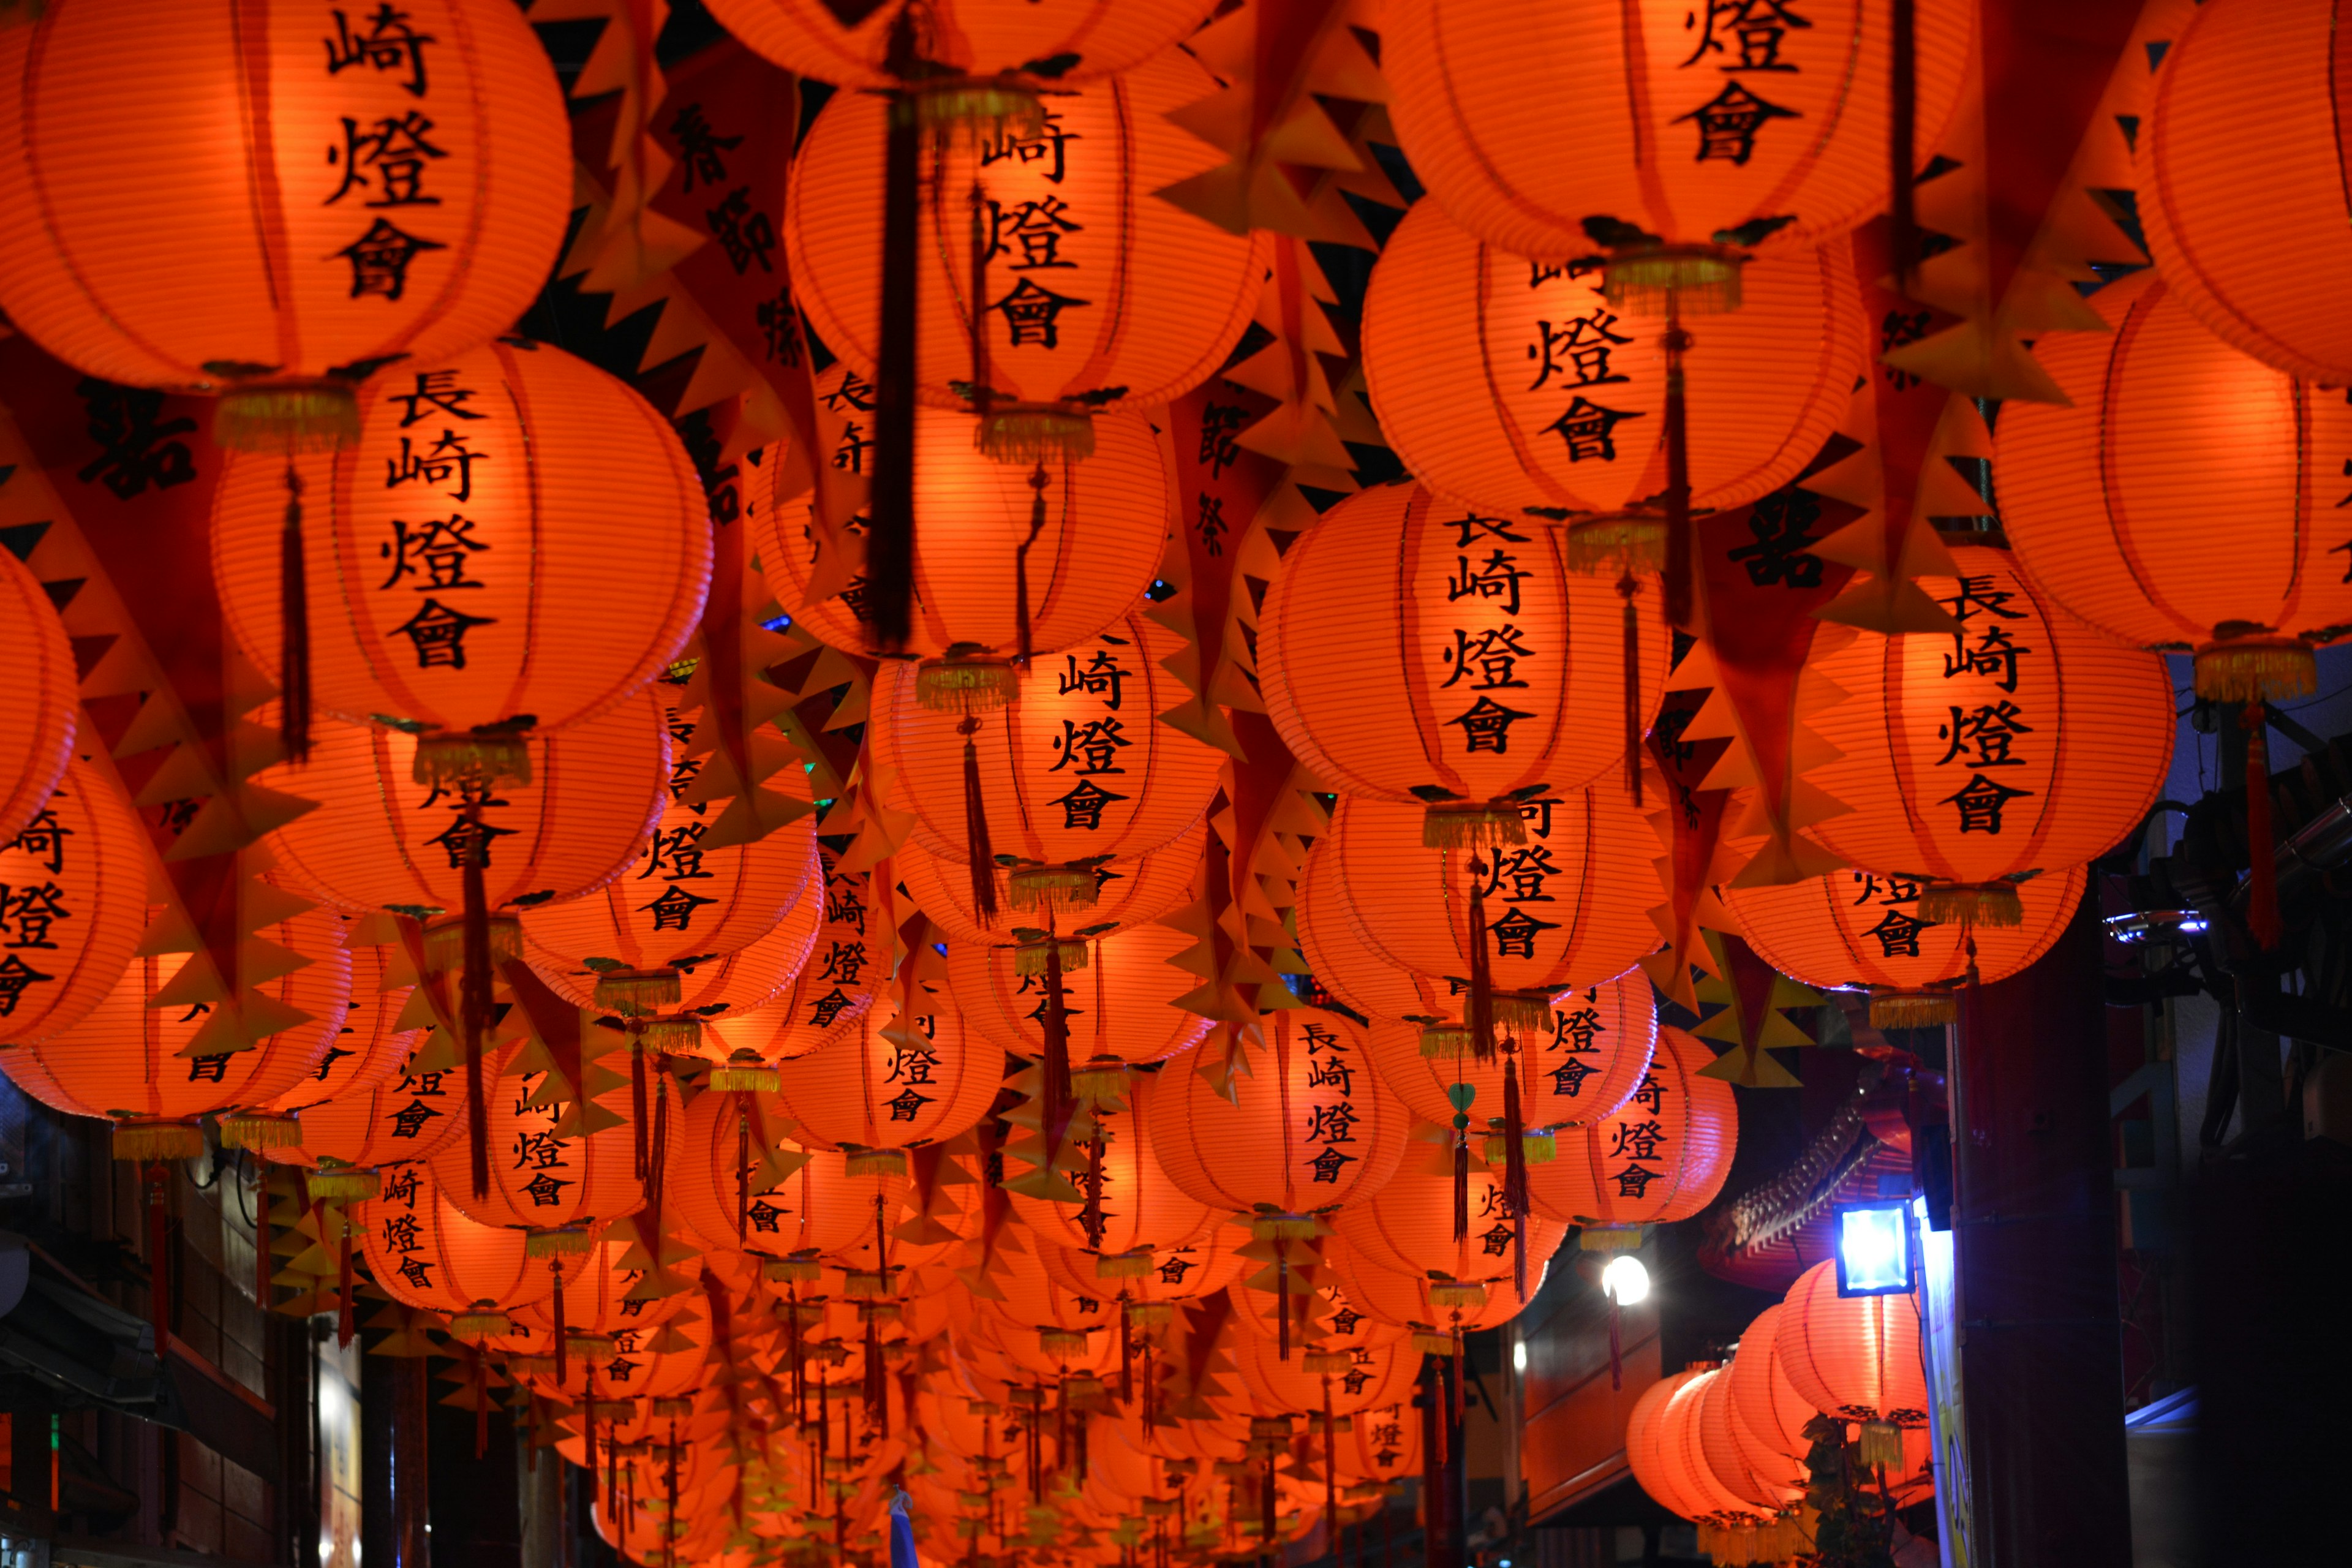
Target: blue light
[(1874, 1248)]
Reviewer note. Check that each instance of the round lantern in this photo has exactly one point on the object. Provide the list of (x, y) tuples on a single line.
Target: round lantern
[(1132, 1213), (1725, 1458), (599, 1297), (1716, 128), (1415, 651), (1130, 892), (1310, 1383), (735, 1151), (898, 1081), (1077, 771), (1171, 1274), (2207, 190), (1381, 1446), (366, 1048), (1857, 1358), (426, 1254), (2110, 502), (516, 542), (77, 902), (1309, 1126), (1664, 1444), (2027, 741), (155, 1059), (380, 838), (1597, 1052), (1120, 1001), (560, 1170), (1408, 1225), (1661, 1156), (1105, 528), (41, 700), (347, 1140), (399, 201), (1437, 1308), (826, 989), (1568, 906), (1513, 386), (1091, 296), (1001, 40), (1767, 1414), (1859, 928)]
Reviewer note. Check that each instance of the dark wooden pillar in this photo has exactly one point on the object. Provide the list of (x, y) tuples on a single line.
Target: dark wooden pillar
[(2041, 1356)]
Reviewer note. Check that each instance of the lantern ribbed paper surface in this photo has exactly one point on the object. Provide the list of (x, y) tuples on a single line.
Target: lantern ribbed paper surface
[(598, 1296), (1661, 1156), (1596, 1053), (2251, 230), (1725, 1460), (1122, 1004), (974, 38), (734, 1150), (1685, 124), (517, 536), (1374, 1378), (1767, 1414), (365, 1050), (896, 1081), (1652, 1446), (37, 705), (551, 1175), (1855, 1357), (1092, 285), (1410, 643), (1862, 927), (2111, 503), (426, 1253), (1140, 1210), (1408, 1225), (403, 1120), (1506, 384), (331, 189), (86, 855)]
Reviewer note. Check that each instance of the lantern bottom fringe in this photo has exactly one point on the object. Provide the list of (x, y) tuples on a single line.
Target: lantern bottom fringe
[(1062, 887), (344, 1184), (753, 1075), (288, 416), (966, 681), (559, 1241), (673, 1036), (877, 1162), (1123, 1265), (1618, 541), (1027, 433), (1099, 1082), (593, 1348), (481, 1323), (1522, 1012), (1151, 1314), (145, 1141), (1913, 1009), (1032, 958), (1539, 1146), (1430, 1342), (1457, 1295), (673, 1409), (1610, 1237), (2254, 669), (863, 1285), (1972, 903), (1325, 1363), (1061, 1343), (1284, 1227), (454, 756), (1443, 1039), (793, 1270), (445, 941), (260, 1130), (1882, 1444), (634, 992), (1696, 279), (1461, 825), (985, 105)]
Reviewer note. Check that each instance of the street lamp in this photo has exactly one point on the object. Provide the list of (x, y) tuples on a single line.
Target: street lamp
[(1873, 1248)]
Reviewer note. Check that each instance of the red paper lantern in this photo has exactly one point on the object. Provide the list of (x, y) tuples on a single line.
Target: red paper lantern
[(827, 992), (734, 1149), (399, 200), (1436, 1310), (1408, 1225), (964, 38), (1120, 1003), (1133, 1211), (366, 1048), (1130, 892), (38, 704), (1767, 1414), (423, 1252), (1597, 1053), (560, 1170), (1660, 1157), (77, 873), (893, 1085), (602, 1295), (1857, 1358), (1311, 1382), (403, 1121), (1187, 1273)]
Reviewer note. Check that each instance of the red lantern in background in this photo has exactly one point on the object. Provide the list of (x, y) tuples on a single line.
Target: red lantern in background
[(1131, 1211), (900, 1080), (424, 1253), (39, 704), (1130, 891), (1767, 1414), (86, 855), (827, 996), (1660, 1157), (1857, 1358), (366, 1048), (1120, 1003), (1599, 1048), (961, 38), (405, 1119), (568, 1166), (1408, 1225)]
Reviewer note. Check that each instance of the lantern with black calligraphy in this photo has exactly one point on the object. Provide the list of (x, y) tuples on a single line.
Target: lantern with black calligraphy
[(424, 1253), (966, 45), (1595, 1053), (1428, 1220), (1516, 388), (1661, 1156), (1766, 1429), (1864, 929), (1182, 1273), (1381, 1446), (37, 705), (348, 1141), (168, 1046), (2026, 742), (366, 1048), (1087, 298), (1130, 891), (1131, 1211), (1435, 1312), (1118, 997), (840, 972), (734, 1148), (1079, 771), (76, 874), (1857, 1358), (903, 1079), (600, 1295), (341, 191), (565, 1160), (1414, 651)]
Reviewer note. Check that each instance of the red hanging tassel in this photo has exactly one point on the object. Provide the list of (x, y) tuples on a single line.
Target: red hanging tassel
[(2262, 922), (563, 1339), (1515, 1170), (1902, 132), (1265, 1502), (1282, 1299), (1626, 589), (474, 988), (293, 629), (876, 1390), (656, 1166), (1480, 1014), (1055, 1063), (890, 510), (977, 850), (1090, 1214), (346, 1305), (159, 1256), (1126, 1354), (1678, 584), (743, 1161), (1038, 480), (1461, 1184), (588, 1405), (637, 1096)]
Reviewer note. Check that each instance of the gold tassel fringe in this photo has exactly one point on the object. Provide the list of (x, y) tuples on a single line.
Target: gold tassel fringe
[(998, 110), (1601, 544), (1458, 1294), (558, 1241), (1061, 1343), (1283, 1227), (1972, 903), (673, 1036), (1522, 1013), (2239, 669), (965, 683), (1066, 887), (1428, 1342), (1123, 1265), (260, 1130), (793, 1270), (482, 1323), (451, 756), (1321, 1364), (593, 1348), (745, 1072), (1539, 1146), (1462, 826), (1029, 958), (145, 1141), (1031, 433), (445, 941), (877, 1162), (1882, 1444), (673, 1409), (1911, 1009), (281, 417), (1698, 279), (638, 993), (1098, 1084), (1444, 1039), (344, 1184), (1151, 1314), (863, 1285), (1610, 1237)]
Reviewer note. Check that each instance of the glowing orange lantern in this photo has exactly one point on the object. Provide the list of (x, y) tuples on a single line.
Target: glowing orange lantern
[(1092, 296), (1599, 1050), (734, 1147), (38, 705), (1439, 1310), (1310, 1125), (1857, 1358), (961, 39), (400, 200), (561, 1169), (1340, 1381), (1408, 1225), (2205, 186), (898, 1083), (1131, 1211), (1726, 1459), (1130, 891), (2030, 741), (1857, 927), (1660, 1157), (516, 542), (1767, 1414), (2110, 502), (1664, 1444), (155, 1061), (77, 875), (348, 1139), (601, 1296), (423, 1252), (1513, 386), (1120, 1001), (1173, 1274), (1104, 529), (1721, 128), (365, 1048)]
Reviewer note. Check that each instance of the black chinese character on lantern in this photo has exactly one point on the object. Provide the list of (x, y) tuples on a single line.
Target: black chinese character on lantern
[(1486, 725), (1635, 1180), (1728, 121), (392, 153), (674, 910), (1515, 934), (1752, 27), (1577, 349), (743, 231), (400, 1186), (1094, 746), (208, 1069), (1989, 731), (1492, 655), (438, 634), (409, 1120), (844, 962), (699, 148), (1210, 524), (44, 839), (436, 551), (26, 913), (437, 390), (907, 1105), (449, 458), (390, 44), (1496, 1241), (1781, 523), (1980, 802), (1497, 578), (1083, 805), (1651, 1095), (1897, 889), (380, 260), (825, 1009), (1332, 1123), (1567, 1079), (1588, 430), (842, 904), (1102, 676), (1032, 314), (1177, 1266), (1519, 874), (1045, 151), (16, 977), (675, 854), (1327, 1165), (135, 448), (1898, 933), (546, 1191), (1031, 233)]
